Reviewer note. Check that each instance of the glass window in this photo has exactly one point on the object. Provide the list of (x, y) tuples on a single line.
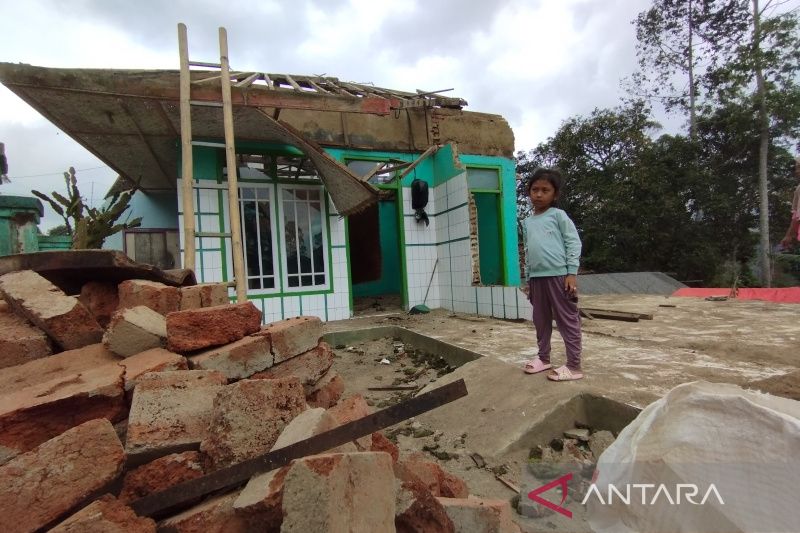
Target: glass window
[(304, 237), (483, 178), (257, 237), (362, 168)]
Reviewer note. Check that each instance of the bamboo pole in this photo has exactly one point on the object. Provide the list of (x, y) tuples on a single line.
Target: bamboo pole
[(233, 182), (187, 170)]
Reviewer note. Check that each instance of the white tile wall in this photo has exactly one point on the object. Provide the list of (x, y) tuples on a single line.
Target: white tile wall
[(291, 306)]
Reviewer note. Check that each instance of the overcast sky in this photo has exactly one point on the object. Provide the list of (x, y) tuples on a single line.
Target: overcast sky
[(536, 62)]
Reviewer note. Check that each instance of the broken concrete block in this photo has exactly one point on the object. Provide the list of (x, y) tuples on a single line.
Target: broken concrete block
[(106, 514), (263, 497), (213, 516), (474, 515), (135, 330), (161, 474), (263, 491), (581, 434), (350, 409), (170, 413), (204, 295), (417, 510), (44, 485), (196, 329), (161, 298), (154, 360), (237, 360), (436, 479), (101, 298), (248, 417), (293, 336), (62, 317), (20, 341), (308, 367), (381, 444), (327, 391), (599, 441), (352, 492), (37, 413)]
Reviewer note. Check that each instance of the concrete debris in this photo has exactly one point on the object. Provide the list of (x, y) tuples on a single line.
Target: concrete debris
[(203, 295), (161, 298), (212, 516), (62, 317), (352, 492), (248, 417), (581, 434), (293, 336), (434, 477), (599, 441), (42, 486), (417, 510), (101, 298), (237, 360), (106, 514), (155, 360), (195, 329), (327, 391), (171, 412), (308, 367), (135, 330), (20, 341), (161, 474), (474, 515), (350, 409)]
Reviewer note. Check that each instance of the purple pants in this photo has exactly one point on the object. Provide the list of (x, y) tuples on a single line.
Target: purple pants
[(550, 300)]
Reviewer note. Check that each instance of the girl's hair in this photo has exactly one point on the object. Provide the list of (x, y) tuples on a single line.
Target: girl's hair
[(550, 175)]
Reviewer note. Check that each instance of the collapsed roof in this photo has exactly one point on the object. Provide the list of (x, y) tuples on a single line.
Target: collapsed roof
[(130, 119)]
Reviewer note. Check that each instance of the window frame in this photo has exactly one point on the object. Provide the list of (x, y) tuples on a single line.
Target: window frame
[(270, 188), (326, 286)]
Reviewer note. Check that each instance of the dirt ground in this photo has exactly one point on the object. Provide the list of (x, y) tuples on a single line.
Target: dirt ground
[(749, 343)]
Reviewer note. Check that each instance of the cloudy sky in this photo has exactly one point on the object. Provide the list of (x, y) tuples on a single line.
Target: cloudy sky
[(536, 62)]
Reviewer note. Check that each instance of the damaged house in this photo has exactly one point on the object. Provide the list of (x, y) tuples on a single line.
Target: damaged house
[(325, 174)]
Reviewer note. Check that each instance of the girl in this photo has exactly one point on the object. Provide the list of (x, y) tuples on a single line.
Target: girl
[(552, 252)]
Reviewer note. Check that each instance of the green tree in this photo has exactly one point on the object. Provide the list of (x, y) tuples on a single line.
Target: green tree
[(89, 226), (59, 231)]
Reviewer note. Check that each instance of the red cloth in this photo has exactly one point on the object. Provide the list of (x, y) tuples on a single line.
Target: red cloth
[(784, 295)]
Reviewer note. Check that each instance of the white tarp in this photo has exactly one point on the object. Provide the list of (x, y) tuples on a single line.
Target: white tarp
[(745, 444)]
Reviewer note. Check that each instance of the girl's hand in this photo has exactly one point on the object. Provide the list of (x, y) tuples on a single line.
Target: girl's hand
[(571, 284)]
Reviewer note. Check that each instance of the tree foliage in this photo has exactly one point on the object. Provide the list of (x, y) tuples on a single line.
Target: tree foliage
[(88, 226)]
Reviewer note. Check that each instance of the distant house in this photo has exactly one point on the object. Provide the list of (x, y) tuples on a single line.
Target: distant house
[(317, 236)]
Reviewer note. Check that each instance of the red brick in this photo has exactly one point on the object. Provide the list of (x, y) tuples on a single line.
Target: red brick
[(170, 412), (20, 341), (436, 479), (45, 484), (248, 417), (101, 299), (308, 368), (418, 511), (196, 329), (351, 492), (135, 330), (105, 515), (349, 409), (327, 391), (381, 444), (293, 336), (42, 411), (18, 377), (204, 295), (62, 317), (475, 515), (161, 474), (213, 516), (155, 360), (237, 360), (262, 498), (160, 298)]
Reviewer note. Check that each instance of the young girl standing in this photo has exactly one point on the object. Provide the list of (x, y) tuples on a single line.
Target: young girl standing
[(552, 253)]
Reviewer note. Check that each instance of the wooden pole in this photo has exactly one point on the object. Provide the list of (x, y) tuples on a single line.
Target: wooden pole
[(233, 181), (187, 170)]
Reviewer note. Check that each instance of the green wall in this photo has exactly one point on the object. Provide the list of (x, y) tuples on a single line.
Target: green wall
[(489, 249)]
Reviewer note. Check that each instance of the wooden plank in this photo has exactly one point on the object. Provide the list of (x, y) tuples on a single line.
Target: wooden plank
[(187, 170), (161, 503), (641, 316), (507, 483), (293, 83), (248, 80), (613, 315), (396, 387), (233, 183), (430, 151)]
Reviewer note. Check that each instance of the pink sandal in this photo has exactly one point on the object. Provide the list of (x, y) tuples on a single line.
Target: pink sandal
[(563, 373), (535, 365)]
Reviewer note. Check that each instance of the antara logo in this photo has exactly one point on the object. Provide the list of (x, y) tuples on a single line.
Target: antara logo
[(682, 492)]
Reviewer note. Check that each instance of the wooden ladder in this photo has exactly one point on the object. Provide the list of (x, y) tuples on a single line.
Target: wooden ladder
[(187, 144)]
